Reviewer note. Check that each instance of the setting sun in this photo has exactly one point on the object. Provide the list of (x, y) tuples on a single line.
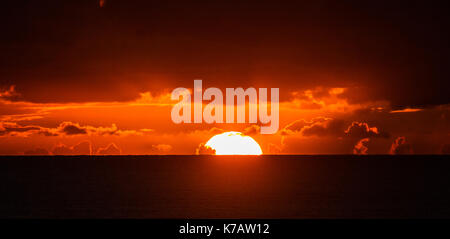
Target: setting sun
[(234, 143)]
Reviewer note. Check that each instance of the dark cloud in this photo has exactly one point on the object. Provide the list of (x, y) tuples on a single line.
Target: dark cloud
[(295, 126), (70, 128), (11, 128), (62, 149), (361, 148), (321, 127), (363, 130), (161, 148), (65, 128), (82, 148), (47, 132), (9, 93), (332, 136), (203, 149), (401, 146), (330, 127), (298, 125), (111, 149)]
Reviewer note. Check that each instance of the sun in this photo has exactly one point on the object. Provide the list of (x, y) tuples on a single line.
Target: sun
[(234, 143)]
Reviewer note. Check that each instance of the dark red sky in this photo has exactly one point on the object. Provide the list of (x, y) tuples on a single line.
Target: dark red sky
[(52, 50)]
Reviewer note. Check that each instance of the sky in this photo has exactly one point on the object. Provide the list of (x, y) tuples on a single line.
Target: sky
[(95, 77)]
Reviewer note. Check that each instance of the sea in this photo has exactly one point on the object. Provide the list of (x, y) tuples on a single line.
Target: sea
[(208, 186)]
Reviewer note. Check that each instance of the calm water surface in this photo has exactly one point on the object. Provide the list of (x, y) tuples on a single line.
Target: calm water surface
[(225, 187)]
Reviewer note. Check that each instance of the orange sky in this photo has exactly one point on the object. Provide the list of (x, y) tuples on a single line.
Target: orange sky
[(317, 121), (91, 78)]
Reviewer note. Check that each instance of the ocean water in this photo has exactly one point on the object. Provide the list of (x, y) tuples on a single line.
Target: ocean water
[(225, 187)]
